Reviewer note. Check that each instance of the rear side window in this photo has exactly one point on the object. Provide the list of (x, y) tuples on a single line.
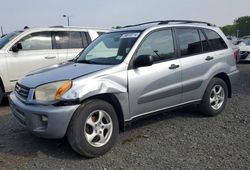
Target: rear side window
[(75, 40), (85, 39), (189, 41), (215, 40), (61, 40), (68, 40), (37, 41), (205, 45)]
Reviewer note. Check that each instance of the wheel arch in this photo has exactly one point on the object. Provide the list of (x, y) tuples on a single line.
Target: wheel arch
[(113, 100), (226, 79)]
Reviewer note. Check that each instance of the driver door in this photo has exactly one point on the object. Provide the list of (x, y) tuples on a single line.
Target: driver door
[(158, 86)]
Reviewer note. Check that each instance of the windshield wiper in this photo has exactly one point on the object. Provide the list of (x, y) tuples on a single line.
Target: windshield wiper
[(86, 61)]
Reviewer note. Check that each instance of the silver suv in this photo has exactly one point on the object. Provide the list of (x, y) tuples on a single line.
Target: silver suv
[(123, 75)]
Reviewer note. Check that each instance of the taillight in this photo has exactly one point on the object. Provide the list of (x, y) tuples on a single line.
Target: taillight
[(236, 54)]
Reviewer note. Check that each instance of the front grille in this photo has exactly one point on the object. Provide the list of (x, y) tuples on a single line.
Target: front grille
[(22, 90), (18, 114)]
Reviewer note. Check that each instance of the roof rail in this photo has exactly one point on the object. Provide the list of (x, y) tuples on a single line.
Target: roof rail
[(78, 27), (151, 22), (170, 21), (185, 22), (57, 26)]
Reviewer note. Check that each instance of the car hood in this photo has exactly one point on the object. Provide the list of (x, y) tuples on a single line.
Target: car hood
[(66, 71), (245, 48)]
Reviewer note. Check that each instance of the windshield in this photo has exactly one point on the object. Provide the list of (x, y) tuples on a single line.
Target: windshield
[(7, 38), (109, 48), (247, 41)]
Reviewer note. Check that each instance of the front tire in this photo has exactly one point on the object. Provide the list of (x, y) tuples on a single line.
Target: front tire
[(93, 129), (215, 98)]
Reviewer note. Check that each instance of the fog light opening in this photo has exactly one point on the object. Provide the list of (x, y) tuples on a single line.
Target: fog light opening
[(44, 118)]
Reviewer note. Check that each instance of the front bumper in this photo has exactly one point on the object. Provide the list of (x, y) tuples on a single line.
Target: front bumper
[(234, 77), (44, 121)]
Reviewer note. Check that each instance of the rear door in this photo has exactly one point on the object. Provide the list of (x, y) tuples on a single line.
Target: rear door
[(69, 43), (198, 54), (158, 86), (36, 52)]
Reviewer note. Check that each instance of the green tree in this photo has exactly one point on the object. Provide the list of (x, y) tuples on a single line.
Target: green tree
[(243, 25), (229, 30)]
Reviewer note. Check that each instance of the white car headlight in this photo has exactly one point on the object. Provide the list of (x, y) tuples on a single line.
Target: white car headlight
[(52, 91)]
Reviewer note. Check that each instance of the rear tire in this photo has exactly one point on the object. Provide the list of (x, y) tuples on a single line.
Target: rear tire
[(93, 129), (215, 98)]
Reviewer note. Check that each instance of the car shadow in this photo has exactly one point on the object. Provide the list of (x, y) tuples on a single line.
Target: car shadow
[(244, 62), (18, 142), (190, 111), (5, 102)]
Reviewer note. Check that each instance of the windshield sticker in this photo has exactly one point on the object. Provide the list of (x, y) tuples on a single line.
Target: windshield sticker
[(119, 57), (130, 35)]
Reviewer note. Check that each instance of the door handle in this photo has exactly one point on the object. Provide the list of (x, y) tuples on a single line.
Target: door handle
[(209, 58), (173, 66), (50, 57)]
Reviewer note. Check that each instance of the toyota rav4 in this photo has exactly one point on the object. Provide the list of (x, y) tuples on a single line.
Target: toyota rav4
[(123, 75)]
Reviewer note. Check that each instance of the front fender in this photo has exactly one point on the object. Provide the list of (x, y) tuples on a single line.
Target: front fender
[(94, 87), (115, 84)]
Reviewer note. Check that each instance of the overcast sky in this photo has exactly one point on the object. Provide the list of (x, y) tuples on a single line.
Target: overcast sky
[(15, 14)]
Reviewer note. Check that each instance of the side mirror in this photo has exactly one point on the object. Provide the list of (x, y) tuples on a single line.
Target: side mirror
[(15, 48), (143, 61)]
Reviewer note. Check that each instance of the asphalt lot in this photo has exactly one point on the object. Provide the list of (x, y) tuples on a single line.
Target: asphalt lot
[(181, 139)]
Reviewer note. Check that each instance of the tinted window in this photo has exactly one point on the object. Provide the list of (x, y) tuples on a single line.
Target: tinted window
[(204, 42), (75, 40), (84, 39), (88, 37), (159, 44), (215, 40), (37, 41), (247, 41), (189, 41), (68, 40), (62, 40)]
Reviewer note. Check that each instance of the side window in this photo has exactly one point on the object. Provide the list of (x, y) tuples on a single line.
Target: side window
[(189, 41), (37, 41), (159, 44), (75, 40), (89, 40), (215, 40), (61, 40), (205, 45), (68, 40), (84, 39)]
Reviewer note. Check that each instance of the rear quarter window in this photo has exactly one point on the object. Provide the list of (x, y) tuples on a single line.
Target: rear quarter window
[(215, 40)]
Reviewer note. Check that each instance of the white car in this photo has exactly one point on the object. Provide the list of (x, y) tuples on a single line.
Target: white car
[(245, 50), (32, 48)]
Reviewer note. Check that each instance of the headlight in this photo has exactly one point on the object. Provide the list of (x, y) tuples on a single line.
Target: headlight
[(52, 91)]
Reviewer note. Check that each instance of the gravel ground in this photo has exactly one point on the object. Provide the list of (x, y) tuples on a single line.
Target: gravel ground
[(181, 139)]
